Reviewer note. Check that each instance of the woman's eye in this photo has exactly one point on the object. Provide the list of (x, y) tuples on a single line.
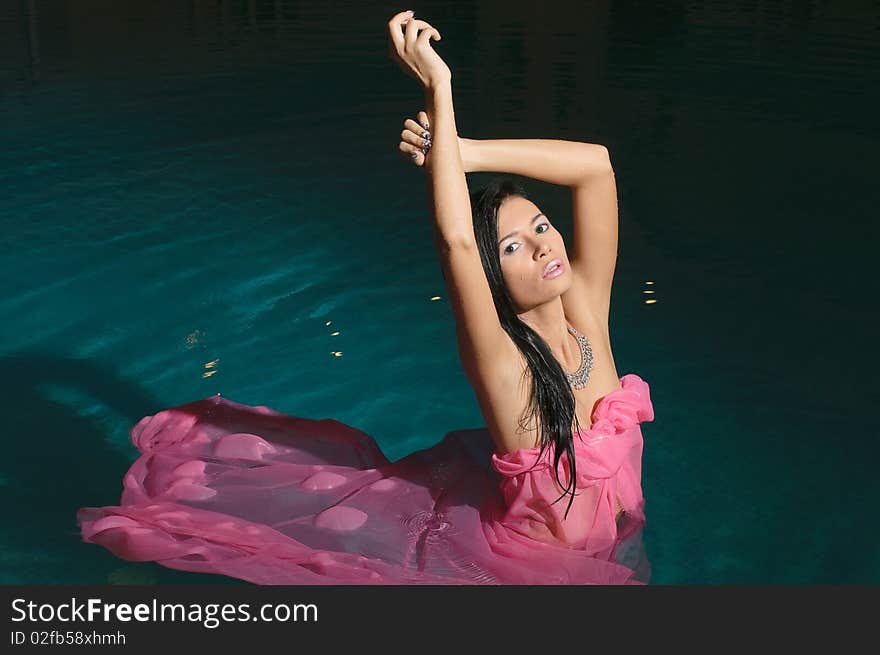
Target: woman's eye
[(508, 251)]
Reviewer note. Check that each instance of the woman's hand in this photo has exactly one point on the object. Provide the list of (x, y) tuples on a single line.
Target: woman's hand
[(416, 140), (409, 45)]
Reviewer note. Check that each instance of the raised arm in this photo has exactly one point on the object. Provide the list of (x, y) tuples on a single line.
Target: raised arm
[(447, 187), (483, 345), (586, 169)]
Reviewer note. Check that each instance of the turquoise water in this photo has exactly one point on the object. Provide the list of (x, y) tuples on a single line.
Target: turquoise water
[(206, 198)]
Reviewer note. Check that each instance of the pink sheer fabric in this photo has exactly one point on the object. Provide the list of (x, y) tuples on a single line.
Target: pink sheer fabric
[(248, 492)]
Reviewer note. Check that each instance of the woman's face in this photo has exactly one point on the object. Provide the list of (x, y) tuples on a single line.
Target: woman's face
[(527, 242)]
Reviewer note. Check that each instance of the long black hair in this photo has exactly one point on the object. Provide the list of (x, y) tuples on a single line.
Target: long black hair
[(551, 398)]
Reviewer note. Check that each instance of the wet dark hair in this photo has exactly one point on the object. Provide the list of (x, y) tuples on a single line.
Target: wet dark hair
[(551, 397)]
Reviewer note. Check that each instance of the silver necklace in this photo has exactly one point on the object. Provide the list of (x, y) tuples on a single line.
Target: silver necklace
[(579, 378)]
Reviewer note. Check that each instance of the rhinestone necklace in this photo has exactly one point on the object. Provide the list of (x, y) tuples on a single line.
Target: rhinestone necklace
[(579, 378)]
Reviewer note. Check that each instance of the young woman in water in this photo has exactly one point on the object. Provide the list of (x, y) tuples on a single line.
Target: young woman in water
[(253, 493), (546, 350)]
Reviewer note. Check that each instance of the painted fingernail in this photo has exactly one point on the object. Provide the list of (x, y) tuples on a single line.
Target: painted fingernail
[(425, 125), (427, 135), (413, 154)]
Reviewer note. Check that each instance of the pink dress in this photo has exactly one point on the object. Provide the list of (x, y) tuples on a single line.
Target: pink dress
[(248, 492)]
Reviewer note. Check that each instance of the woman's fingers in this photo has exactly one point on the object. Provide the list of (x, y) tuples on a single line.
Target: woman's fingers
[(415, 142), (428, 33), (417, 129), (414, 154), (416, 138), (409, 47), (395, 28), (404, 23), (412, 31)]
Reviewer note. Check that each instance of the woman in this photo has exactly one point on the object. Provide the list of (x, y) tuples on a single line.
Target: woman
[(255, 494)]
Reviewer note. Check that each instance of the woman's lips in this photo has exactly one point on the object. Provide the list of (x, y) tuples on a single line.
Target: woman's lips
[(556, 272)]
